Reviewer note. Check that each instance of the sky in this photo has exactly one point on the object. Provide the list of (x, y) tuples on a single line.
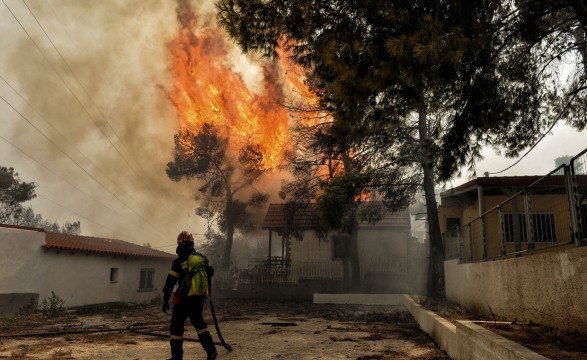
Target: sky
[(85, 115)]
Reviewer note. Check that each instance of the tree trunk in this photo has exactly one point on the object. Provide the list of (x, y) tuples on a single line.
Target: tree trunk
[(352, 228), (229, 211), (354, 259), (436, 256)]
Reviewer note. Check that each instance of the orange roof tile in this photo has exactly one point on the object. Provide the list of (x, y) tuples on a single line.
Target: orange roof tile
[(298, 216), (100, 245)]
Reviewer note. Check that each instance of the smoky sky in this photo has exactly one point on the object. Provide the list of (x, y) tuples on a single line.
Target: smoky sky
[(84, 113)]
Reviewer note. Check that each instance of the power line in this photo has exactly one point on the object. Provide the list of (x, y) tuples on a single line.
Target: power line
[(49, 124), (74, 212), (79, 101), (91, 100), (66, 181), (541, 137)]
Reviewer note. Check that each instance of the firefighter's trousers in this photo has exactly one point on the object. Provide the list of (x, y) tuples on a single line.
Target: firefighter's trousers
[(190, 307)]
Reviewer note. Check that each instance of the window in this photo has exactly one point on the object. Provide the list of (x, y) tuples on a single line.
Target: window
[(452, 226), (339, 246), (543, 227), (146, 281), (113, 275)]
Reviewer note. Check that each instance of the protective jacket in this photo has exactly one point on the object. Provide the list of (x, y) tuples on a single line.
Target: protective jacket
[(190, 272)]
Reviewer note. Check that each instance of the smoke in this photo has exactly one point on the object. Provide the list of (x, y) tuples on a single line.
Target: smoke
[(90, 75)]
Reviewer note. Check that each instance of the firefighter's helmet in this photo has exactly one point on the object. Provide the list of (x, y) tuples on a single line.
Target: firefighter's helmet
[(185, 236)]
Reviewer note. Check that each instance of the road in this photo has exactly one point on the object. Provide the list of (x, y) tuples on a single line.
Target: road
[(255, 330)]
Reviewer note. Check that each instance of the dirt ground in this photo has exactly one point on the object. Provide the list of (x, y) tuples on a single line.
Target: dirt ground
[(544, 340), (255, 330)]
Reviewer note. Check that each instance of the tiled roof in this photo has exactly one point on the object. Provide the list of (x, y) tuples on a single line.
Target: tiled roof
[(305, 217), (298, 216), (100, 245)]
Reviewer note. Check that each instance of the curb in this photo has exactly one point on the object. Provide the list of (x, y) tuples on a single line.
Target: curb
[(466, 340)]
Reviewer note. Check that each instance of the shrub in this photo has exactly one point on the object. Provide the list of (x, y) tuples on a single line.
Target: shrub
[(52, 305)]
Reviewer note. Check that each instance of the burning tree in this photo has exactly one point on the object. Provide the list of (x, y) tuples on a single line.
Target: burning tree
[(204, 156), (347, 179), (230, 135)]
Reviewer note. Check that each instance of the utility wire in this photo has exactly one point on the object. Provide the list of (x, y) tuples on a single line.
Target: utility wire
[(48, 123), (54, 173), (75, 212), (72, 92), (78, 100), (92, 101), (66, 181), (541, 137), (59, 148)]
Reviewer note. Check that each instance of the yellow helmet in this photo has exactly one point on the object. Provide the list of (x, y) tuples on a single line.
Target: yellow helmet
[(184, 236)]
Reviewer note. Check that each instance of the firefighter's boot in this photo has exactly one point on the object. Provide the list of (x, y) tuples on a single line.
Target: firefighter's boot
[(176, 349), (208, 345)]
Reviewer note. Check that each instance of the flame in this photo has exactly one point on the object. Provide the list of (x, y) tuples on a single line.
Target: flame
[(309, 102), (206, 90)]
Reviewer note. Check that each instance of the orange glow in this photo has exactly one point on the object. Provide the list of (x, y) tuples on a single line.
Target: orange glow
[(206, 90), (296, 77)]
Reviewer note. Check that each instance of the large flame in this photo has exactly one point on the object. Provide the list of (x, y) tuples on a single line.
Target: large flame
[(206, 90)]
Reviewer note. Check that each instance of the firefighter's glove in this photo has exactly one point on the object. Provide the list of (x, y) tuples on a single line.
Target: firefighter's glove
[(165, 307)]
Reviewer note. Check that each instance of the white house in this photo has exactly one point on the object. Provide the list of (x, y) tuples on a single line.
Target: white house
[(390, 258), (81, 270)]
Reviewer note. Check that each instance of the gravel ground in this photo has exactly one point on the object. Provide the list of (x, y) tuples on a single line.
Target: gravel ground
[(255, 330)]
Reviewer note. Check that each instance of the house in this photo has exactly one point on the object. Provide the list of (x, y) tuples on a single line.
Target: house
[(495, 214), (386, 249), (515, 246), (80, 270)]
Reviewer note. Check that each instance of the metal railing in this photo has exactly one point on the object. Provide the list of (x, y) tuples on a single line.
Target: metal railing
[(277, 271), (551, 212)]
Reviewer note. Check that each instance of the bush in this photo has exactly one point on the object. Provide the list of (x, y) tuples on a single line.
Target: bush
[(52, 305)]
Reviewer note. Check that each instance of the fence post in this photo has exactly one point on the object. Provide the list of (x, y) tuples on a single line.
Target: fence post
[(501, 225), (459, 242), (470, 245), (528, 213), (573, 195)]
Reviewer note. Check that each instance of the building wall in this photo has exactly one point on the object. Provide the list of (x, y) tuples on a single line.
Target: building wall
[(311, 248), (78, 278), (547, 288), (445, 212), (373, 242), (377, 241), (556, 204)]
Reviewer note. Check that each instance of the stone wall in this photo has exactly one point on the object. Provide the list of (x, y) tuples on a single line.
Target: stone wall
[(547, 288)]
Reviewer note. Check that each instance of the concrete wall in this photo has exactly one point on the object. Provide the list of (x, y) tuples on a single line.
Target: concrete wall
[(78, 278), (376, 241), (547, 288)]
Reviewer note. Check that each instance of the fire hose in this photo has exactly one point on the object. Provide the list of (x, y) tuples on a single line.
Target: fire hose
[(226, 346), (138, 328)]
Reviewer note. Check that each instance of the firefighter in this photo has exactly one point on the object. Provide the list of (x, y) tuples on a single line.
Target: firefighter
[(189, 271)]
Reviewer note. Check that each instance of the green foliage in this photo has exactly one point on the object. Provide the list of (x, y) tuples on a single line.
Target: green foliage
[(531, 77), (52, 305), (13, 193), (339, 200), (492, 67)]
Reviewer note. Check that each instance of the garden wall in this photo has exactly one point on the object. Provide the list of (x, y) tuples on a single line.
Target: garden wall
[(546, 288)]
